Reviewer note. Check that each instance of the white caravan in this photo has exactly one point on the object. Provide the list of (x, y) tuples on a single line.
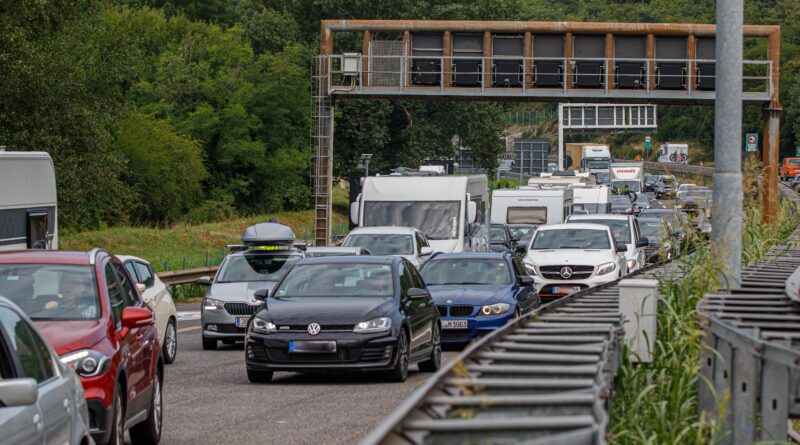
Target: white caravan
[(28, 206), (531, 206), (450, 210), (594, 200)]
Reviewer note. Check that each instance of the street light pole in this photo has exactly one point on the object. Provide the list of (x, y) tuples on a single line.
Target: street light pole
[(726, 243)]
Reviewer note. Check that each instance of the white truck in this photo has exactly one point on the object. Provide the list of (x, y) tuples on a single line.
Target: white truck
[(595, 200), (530, 205), (452, 211), (28, 204), (673, 153), (627, 175), (596, 159)]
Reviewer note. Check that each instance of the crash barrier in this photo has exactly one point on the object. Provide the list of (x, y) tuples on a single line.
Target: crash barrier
[(666, 168), (751, 357), (544, 378), (187, 276)]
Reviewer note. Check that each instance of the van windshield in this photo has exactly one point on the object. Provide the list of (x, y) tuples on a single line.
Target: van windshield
[(632, 186), (438, 220)]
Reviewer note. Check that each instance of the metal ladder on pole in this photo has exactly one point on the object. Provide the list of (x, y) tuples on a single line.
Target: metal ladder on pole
[(322, 139)]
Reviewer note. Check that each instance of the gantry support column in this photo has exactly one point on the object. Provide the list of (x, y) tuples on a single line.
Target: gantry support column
[(367, 41), (323, 144), (772, 126)]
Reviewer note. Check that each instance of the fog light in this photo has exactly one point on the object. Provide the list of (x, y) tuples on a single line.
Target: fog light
[(211, 327)]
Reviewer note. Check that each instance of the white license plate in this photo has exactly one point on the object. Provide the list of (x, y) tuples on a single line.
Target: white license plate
[(565, 290), (454, 324), (241, 322)]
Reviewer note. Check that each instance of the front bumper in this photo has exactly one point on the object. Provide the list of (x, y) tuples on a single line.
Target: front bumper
[(476, 327), (220, 324), (354, 352), (100, 418), (552, 289)]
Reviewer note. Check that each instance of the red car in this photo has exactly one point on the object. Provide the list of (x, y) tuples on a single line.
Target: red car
[(89, 309)]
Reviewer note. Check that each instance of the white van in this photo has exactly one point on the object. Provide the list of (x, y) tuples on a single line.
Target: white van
[(592, 199), (28, 205), (450, 210), (531, 206)]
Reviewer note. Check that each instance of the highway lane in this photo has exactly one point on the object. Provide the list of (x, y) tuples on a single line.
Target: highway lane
[(208, 399)]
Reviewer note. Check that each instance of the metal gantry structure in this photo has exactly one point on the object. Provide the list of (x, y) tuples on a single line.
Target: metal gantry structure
[(649, 63)]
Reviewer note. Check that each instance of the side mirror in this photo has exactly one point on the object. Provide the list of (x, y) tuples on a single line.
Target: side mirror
[(521, 249), (18, 392), (354, 207), (472, 211), (525, 280), (643, 242), (142, 287), (261, 294), (515, 239), (204, 281), (622, 248), (415, 293), (425, 251), (136, 317)]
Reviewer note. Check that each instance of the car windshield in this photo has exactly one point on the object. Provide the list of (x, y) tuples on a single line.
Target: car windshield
[(438, 220), (571, 239), (52, 292), (619, 227), (497, 234), (620, 200), (466, 271), (642, 199), (337, 280), (381, 243), (653, 229), (253, 266), (522, 232)]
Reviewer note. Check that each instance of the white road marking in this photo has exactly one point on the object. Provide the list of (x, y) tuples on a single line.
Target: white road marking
[(188, 315)]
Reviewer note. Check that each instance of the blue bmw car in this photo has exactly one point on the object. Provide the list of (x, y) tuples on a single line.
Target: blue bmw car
[(476, 293)]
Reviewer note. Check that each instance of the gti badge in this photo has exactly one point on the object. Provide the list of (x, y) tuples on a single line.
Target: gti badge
[(566, 272), (313, 329)]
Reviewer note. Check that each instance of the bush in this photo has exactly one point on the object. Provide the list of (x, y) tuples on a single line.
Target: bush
[(210, 211)]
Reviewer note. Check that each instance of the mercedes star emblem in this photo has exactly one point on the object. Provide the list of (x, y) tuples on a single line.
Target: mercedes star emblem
[(566, 272), (314, 329)]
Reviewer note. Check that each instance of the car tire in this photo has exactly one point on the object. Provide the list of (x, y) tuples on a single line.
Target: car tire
[(256, 376), (170, 347), (434, 361), (117, 436), (400, 372), (209, 344), (149, 431)]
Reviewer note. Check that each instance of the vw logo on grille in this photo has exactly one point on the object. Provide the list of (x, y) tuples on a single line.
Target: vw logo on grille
[(314, 329), (566, 272)]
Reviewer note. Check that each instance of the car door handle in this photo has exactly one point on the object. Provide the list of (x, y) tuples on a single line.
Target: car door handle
[(37, 421), (67, 406)]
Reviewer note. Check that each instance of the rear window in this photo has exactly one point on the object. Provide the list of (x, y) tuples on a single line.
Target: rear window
[(337, 279), (794, 162), (255, 267), (52, 292)]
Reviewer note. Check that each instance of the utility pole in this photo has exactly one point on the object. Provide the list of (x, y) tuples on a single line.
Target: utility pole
[(726, 242)]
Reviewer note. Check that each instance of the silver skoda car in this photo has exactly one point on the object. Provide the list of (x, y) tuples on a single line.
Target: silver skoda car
[(266, 255)]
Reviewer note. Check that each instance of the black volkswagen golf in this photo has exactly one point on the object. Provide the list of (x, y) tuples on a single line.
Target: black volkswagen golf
[(345, 313)]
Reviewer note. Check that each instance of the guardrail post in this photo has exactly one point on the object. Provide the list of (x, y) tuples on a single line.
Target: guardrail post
[(743, 396), (638, 305), (722, 377), (775, 399)]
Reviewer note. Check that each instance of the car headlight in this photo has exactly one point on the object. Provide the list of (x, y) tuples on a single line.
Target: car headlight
[(262, 326), (86, 362), (606, 268), (210, 304), (631, 264), (375, 325), (531, 269), (494, 309)]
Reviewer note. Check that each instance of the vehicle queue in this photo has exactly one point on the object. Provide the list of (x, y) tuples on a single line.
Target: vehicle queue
[(420, 271)]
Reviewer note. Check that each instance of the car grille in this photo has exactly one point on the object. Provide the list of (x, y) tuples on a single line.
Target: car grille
[(344, 354), (241, 308), (578, 272), (442, 311), (461, 311), (323, 328), (257, 352), (455, 334)]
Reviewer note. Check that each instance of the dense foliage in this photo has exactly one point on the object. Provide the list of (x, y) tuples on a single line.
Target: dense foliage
[(119, 91)]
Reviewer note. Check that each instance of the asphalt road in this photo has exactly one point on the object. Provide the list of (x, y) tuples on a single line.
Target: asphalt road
[(208, 399)]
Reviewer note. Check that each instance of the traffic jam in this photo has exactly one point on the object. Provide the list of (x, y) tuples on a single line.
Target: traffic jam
[(435, 261)]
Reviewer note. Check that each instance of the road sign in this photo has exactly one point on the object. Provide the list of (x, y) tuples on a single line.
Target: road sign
[(647, 143), (797, 151), (751, 142)]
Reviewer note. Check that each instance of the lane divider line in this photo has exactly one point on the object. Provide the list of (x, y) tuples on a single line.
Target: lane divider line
[(190, 328)]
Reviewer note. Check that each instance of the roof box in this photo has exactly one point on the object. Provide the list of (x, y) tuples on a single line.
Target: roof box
[(268, 234)]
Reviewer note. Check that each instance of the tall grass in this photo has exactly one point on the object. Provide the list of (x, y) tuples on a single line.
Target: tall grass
[(656, 403)]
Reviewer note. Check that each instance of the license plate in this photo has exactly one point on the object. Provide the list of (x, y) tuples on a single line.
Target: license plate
[(241, 322), (454, 324), (565, 290), (312, 346)]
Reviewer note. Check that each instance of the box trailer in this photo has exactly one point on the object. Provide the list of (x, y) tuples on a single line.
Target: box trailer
[(628, 175)]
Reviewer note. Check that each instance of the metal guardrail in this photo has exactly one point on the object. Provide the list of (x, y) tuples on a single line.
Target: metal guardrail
[(544, 378), (752, 349), (187, 276), (668, 168)]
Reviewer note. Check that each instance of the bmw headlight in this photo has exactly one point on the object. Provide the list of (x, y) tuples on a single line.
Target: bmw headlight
[(375, 325), (262, 326), (606, 268), (631, 264), (86, 362), (210, 304), (494, 309)]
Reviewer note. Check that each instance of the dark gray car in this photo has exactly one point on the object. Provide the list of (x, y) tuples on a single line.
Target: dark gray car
[(41, 400)]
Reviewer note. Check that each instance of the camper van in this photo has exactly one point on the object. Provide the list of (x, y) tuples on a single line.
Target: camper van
[(452, 211), (28, 210), (530, 205), (595, 200)]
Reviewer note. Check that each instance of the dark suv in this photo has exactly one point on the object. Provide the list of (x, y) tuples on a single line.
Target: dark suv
[(89, 309)]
